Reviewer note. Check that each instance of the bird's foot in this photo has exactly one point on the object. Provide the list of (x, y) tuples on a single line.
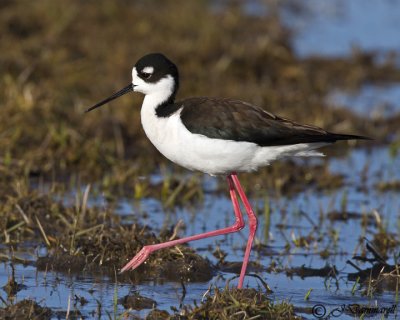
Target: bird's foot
[(137, 260)]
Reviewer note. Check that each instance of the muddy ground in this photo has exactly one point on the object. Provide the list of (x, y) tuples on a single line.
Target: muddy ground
[(60, 57)]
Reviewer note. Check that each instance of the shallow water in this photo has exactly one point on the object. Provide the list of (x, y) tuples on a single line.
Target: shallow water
[(326, 28), (334, 28), (58, 290), (372, 101)]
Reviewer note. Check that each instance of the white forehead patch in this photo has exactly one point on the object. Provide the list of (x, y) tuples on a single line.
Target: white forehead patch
[(148, 70)]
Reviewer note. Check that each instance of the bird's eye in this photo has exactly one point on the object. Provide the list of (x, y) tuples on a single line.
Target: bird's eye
[(146, 75)]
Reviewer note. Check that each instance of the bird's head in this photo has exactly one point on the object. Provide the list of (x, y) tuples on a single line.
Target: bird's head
[(153, 75)]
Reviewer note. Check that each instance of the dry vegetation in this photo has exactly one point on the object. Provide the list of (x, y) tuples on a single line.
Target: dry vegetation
[(67, 55), (59, 57)]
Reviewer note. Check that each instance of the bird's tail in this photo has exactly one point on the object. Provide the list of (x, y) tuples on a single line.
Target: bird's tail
[(339, 136)]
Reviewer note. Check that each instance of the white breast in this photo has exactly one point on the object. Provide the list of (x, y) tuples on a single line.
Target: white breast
[(213, 156)]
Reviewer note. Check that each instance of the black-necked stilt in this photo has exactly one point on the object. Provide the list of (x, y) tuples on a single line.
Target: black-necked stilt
[(215, 136)]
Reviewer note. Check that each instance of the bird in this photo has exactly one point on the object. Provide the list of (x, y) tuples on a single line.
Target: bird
[(217, 136)]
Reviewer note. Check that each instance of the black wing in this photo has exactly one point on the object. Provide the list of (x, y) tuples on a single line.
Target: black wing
[(230, 119)]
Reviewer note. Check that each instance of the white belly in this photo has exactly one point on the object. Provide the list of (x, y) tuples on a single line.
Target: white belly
[(213, 156)]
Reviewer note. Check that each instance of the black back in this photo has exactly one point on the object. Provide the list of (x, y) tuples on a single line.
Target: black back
[(230, 119)]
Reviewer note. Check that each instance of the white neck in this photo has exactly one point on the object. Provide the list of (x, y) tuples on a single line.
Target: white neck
[(159, 93)]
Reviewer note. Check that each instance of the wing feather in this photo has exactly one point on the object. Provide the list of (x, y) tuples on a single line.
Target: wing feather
[(230, 119)]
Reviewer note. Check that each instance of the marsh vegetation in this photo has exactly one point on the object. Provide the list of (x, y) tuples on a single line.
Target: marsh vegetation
[(80, 194)]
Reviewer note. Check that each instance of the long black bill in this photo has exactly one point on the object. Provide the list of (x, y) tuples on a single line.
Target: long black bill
[(125, 90)]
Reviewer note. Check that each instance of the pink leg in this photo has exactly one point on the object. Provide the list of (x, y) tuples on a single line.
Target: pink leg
[(238, 225), (252, 227)]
